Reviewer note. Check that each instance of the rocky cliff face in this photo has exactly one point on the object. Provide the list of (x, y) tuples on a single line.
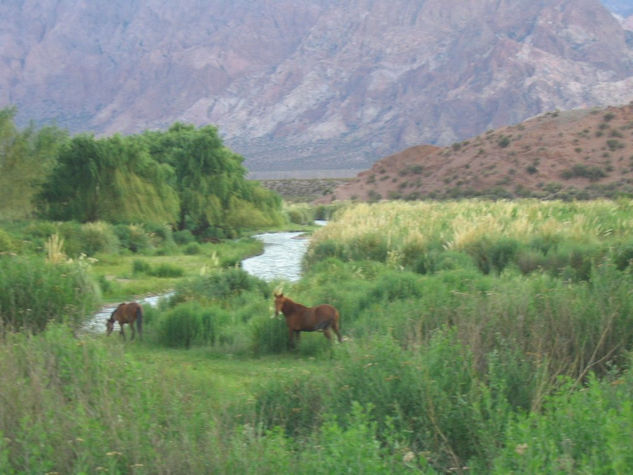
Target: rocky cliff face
[(312, 83)]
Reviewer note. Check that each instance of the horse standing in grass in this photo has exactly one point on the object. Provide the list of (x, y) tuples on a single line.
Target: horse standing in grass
[(300, 318), (127, 313)]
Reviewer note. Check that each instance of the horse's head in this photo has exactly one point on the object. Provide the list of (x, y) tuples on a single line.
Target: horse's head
[(110, 322), (109, 325), (279, 302)]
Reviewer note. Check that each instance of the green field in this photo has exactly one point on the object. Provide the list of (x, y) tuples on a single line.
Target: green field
[(480, 337)]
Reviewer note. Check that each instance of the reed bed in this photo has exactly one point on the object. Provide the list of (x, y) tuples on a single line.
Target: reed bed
[(401, 230)]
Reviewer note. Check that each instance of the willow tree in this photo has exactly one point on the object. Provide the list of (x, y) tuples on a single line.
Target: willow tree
[(26, 158), (112, 179), (215, 196)]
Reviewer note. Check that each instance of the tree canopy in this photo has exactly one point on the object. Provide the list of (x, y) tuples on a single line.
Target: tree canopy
[(185, 177), (26, 158)]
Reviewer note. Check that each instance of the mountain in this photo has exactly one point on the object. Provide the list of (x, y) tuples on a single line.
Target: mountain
[(582, 153), (310, 84)]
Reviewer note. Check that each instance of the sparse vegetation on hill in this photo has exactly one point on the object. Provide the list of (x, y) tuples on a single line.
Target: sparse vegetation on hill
[(581, 154), (303, 190)]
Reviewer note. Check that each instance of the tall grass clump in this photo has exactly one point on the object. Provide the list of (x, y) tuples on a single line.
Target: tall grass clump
[(494, 234), (99, 237), (428, 400), (34, 292), (584, 431), (219, 285), (221, 309)]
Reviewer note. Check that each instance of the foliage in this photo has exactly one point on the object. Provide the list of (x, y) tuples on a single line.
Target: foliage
[(215, 199), (34, 293), (185, 177), (26, 159), (481, 337), (112, 179)]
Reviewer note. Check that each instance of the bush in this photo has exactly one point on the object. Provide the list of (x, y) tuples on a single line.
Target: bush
[(184, 237), (300, 214), (181, 326), (192, 249), (6, 242), (220, 285), (269, 336), (140, 266), (133, 237), (34, 293), (99, 237), (167, 270), (596, 439)]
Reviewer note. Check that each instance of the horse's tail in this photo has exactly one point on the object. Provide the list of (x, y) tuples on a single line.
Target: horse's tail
[(337, 325), (139, 321)]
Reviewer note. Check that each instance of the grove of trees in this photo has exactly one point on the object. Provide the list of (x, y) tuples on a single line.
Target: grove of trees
[(184, 177)]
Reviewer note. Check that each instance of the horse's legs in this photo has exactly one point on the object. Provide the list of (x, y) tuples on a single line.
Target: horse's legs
[(133, 331), (337, 331), (326, 332), (122, 332), (298, 335)]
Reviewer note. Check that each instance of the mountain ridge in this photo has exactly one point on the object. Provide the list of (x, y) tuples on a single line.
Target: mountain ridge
[(311, 84)]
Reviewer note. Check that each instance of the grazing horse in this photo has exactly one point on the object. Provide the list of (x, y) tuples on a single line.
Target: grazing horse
[(127, 313), (300, 318)]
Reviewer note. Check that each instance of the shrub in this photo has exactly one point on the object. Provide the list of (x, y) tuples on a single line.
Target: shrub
[(133, 237), (181, 326), (504, 141), (167, 270), (99, 237), (140, 266), (623, 256), (34, 293), (221, 284), (595, 440), (268, 336), (6, 242), (300, 214), (192, 249), (184, 237)]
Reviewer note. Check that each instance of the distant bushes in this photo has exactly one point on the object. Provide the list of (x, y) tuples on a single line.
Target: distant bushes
[(34, 293), (161, 270)]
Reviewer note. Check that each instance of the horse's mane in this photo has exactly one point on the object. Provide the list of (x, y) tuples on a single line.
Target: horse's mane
[(293, 305)]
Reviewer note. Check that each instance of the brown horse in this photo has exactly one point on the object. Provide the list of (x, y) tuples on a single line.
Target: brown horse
[(300, 318), (127, 313)]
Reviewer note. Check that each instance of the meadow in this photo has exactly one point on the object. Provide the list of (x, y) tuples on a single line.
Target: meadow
[(480, 337)]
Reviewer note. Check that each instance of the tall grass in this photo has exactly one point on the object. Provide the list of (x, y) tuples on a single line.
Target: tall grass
[(399, 232), (479, 337), (90, 406), (34, 292)]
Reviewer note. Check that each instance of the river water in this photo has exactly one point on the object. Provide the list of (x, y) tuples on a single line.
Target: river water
[(281, 259)]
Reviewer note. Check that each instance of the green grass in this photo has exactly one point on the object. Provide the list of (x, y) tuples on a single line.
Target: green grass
[(504, 353), (122, 282)]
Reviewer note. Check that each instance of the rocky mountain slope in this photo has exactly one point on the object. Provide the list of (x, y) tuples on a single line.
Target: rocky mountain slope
[(574, 154), (312, 83)]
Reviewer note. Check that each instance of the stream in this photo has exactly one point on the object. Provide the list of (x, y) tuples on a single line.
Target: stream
[(281, 259)]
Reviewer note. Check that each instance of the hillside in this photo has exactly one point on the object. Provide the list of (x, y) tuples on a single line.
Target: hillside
[(576, 154), (311, 84)]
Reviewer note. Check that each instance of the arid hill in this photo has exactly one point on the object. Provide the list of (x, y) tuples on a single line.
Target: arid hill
[(575, 154)]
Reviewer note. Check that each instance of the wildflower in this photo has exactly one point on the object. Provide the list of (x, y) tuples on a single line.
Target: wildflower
[(408, 457), (521, 448)]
